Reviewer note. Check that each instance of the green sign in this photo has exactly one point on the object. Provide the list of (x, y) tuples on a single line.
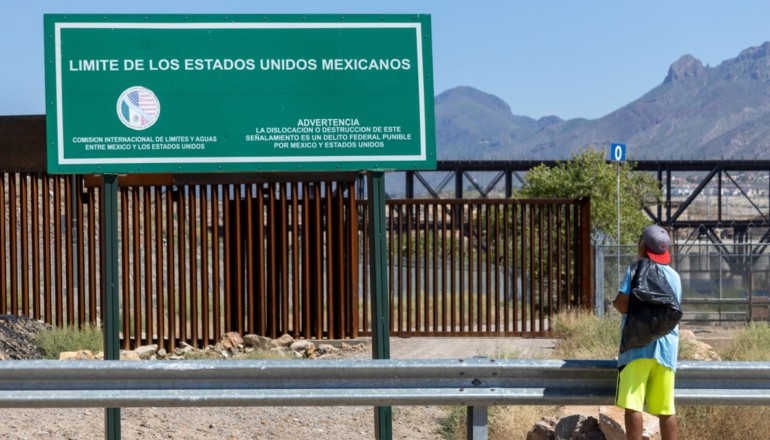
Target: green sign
[(215, 93)]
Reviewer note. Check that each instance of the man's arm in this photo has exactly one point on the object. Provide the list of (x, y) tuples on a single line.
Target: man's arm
[(621, 303)]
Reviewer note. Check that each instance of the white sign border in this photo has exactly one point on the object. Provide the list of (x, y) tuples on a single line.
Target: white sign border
[(59, 26)]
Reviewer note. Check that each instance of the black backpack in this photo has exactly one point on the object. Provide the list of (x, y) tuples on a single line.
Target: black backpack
[(653, 308)]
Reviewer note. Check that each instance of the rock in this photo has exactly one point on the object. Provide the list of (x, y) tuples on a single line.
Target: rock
[(283, 341), (231, 340), (146, 351), (80, 355), (567, 425), (572, 427), (351, 347), (304, 347), (125, 355), (17, 337), (219, 349), (328, 349), (613, 426), (238, 345), (183, 349), (685, 67), (544, 429), (259, 342), (129, 356), (232, 344), (612, 422), (588, 430), (701, 350)]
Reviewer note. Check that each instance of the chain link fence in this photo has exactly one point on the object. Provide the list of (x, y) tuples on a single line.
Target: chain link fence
[(720, 282)]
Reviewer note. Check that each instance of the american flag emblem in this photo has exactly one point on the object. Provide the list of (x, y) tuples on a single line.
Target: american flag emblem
[(138, 108)]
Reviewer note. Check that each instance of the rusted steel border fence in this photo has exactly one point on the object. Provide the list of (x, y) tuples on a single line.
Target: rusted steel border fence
[(486, 267), (195, 260), (201, 255), (271, 258)]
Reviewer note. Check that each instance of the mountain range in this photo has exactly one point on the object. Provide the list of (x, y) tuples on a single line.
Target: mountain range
[(698, 112)]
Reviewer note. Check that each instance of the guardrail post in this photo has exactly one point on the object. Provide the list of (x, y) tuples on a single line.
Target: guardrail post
[(476, 427)]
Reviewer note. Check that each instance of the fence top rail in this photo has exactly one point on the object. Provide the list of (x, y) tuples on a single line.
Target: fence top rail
[(465, 382)]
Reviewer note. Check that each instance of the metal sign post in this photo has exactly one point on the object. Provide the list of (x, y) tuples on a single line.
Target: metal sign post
[(379, 284), (111, 313)]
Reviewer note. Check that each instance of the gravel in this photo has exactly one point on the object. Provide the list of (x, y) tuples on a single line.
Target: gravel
[(266, 423)]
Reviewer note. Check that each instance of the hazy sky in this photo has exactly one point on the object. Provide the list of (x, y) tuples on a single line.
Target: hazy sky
[(546, 57)]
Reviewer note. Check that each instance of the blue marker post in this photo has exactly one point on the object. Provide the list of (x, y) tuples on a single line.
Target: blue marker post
[(618, 155)]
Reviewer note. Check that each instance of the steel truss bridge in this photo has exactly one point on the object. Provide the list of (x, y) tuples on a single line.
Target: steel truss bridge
[(723, 202)]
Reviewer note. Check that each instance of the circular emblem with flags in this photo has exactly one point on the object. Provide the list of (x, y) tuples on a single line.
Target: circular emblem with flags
[(138, 108)]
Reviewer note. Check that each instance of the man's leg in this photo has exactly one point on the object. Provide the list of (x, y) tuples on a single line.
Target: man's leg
[(660, 401), (634, 425), (631, 389), (669, 430)]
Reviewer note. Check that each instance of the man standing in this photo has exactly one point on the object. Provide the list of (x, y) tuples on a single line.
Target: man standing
[(646, 374)]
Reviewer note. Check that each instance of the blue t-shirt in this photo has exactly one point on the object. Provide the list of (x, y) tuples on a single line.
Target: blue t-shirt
[(664, 350)]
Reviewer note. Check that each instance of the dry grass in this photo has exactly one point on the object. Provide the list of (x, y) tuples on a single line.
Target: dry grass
[(583, 335), (514, 422), (723, 422), (751, 343), (505, 422)]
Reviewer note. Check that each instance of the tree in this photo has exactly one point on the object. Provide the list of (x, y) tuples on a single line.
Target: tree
[(587, 174)]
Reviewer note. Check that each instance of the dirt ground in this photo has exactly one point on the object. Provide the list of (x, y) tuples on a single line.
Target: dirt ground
[(279, 423), (268, 423)]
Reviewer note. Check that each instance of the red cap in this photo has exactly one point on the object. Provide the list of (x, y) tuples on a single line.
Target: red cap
[(656, 243)]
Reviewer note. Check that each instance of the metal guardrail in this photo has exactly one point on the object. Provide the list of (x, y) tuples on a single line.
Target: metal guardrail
[(476, 383)]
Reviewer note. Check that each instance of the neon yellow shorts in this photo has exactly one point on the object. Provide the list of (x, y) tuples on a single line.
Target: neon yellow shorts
[(646, 380)]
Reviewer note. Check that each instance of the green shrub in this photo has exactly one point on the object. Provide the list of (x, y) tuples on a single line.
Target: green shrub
[(53, 342)]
